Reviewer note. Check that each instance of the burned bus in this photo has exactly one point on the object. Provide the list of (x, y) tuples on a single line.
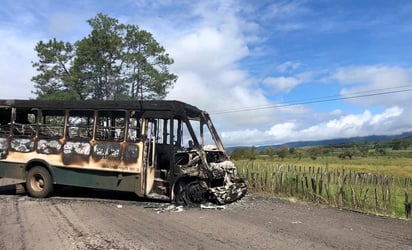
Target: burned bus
[(165, 150)]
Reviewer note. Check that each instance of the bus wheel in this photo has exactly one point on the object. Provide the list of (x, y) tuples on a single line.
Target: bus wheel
[(39, 182), (193, 193)]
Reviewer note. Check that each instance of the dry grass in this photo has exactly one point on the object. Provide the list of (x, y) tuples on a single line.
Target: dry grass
[(376, 185), (397, 166)]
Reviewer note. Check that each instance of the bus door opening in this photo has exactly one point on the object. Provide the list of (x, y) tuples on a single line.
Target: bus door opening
[(158, 158)]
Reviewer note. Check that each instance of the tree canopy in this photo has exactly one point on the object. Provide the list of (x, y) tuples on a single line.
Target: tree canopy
[(114, 62)]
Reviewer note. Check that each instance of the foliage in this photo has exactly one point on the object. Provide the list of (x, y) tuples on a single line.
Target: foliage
[(115, 61), (399, 144), (270, 151), (245, 153), (366, 176), (394, 148), (347, 153), (282, 152), (341, 188), (314, 152)]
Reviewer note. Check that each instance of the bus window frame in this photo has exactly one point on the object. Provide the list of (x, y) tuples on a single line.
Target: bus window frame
[(92, 125), (122, 135)]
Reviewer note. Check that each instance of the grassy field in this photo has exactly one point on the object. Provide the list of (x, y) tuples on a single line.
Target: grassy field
[(375, 184), (391, 165)]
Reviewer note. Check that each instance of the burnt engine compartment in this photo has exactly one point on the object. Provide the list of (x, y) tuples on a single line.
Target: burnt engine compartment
[(207, 176)]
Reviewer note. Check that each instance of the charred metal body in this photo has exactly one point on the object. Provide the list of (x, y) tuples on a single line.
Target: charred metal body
[(165, 150)]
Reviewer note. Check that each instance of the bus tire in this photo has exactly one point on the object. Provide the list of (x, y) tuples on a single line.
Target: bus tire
[(39, 183), (192, 194)]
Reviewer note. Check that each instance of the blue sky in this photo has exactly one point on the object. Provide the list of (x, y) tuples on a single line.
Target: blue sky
[(265, 70)]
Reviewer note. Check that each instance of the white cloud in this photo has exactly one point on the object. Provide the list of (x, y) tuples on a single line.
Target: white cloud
[(285, 10), (282, 131), (17, 52), (236, 137), (285, 84), (375, 75), (372, 80), (288, 66), (68, 25), (336, 112), (207, 50), (354, 125), (385, 118), (206, 59), (350, 125), (216, 84), (211, 43), (18, 14)]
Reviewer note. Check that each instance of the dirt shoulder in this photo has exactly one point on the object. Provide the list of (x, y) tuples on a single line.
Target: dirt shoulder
[(89, 219)]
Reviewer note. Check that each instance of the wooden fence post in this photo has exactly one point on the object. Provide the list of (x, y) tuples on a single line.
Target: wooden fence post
[(376, 199), (342, 188), (296, 183), (306, 185), (408, 206), (320, 185), (313, 182)]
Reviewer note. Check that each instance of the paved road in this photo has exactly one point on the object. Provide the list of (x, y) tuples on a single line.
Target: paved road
[(89, 219)]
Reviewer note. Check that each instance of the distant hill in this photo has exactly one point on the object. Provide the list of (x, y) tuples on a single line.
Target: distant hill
[(369, 139)]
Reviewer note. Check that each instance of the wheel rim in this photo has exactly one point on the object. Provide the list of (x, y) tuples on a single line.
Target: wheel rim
[(195, 193), (37, 182)]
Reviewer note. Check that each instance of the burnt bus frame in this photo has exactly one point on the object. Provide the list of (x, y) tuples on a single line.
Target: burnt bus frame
[(110, 179)]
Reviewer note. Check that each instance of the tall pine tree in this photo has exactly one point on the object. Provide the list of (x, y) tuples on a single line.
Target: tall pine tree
[(115, 61)]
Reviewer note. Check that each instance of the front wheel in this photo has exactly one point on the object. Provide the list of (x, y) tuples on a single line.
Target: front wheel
[(39, 182), (192, 194)]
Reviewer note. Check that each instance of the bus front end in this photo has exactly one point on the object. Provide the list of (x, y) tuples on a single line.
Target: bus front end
[(205, 167)]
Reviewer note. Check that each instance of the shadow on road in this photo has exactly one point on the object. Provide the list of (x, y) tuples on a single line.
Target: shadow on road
[(8, 189), (18, 189), (79, 192)]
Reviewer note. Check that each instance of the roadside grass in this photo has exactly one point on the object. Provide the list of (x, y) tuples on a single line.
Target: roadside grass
[(390, 165), (368, 184)]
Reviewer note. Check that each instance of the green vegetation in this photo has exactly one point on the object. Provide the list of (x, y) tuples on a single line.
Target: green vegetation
[(376, 157), (115, 61), (369, 177)]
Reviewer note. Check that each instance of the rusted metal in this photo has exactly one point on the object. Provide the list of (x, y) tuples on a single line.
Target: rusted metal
[(20, 188), (134, 146)]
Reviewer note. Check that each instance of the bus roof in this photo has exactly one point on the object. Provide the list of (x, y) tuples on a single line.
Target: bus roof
[(149, 105)]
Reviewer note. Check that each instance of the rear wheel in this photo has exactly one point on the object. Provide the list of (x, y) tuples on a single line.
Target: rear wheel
[(39, 182)]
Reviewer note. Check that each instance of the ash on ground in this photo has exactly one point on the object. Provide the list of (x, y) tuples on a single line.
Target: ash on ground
[(173, 208)]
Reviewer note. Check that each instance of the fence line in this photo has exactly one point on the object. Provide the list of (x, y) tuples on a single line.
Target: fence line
[(339, 188)]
